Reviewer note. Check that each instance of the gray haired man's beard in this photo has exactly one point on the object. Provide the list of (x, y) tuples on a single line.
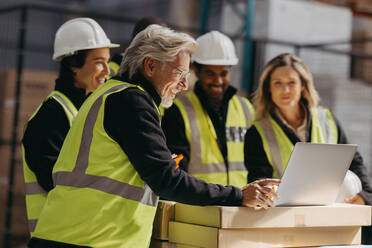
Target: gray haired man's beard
[(166, 102)]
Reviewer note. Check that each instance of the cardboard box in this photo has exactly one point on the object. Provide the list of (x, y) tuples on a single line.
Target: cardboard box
[(165, 244), (35, 86), (5, 154), (7, 125), (185, 246), (161, 244), (164, 214), (211, 237), (3, 198), (19, 227), (284, 217), (19, 218)]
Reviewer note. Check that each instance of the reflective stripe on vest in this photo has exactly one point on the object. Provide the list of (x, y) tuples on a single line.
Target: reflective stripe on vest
[(277, 145), (237, 134), (33, 189), (327, 126), (270, 137), (79, 179), (234, 135), (35, 194), (68, 110)]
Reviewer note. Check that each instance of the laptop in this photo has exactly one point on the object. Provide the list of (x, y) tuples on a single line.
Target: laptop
[(314, 174)]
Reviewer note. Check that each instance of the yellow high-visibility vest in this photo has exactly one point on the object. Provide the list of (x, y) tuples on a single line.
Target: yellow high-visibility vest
[(206, 160), (277, 145), (35, 194), (99, 199)]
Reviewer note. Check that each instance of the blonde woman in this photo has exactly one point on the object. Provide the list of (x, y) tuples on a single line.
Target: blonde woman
[(287, 112)]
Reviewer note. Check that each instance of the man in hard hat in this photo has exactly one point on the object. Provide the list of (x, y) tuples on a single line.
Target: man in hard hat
[(207, 126), (82, 48), (115, 158)]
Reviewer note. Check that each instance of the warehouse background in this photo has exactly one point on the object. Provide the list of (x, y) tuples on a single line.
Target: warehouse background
[(334, 38)]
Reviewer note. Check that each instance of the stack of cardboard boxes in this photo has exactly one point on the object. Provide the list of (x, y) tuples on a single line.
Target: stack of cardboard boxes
[(35, 86), (164, 215), (236, 227)]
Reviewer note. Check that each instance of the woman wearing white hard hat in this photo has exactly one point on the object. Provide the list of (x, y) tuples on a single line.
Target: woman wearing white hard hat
[(82, 48), (287, 112)]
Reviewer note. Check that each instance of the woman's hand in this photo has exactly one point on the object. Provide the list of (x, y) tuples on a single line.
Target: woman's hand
[(357, 199), (260, 193)]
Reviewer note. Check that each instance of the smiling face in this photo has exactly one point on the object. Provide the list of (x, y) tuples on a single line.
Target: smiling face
[(92, 74), (285, 87), (169, 78), (215, 80)]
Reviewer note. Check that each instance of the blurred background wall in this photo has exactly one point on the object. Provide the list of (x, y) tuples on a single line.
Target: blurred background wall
[(333, 37)]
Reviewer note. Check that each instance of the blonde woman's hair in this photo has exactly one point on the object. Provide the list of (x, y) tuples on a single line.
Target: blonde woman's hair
[(158, 42), (262, 96)]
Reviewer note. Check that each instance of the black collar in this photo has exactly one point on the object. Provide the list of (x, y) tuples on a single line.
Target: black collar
[(140, 80), (76, 95)]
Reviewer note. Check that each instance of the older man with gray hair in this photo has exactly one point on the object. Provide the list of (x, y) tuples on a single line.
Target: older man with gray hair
[(115, 158)]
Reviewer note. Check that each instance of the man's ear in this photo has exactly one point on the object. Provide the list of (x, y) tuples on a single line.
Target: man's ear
[(149, 65)]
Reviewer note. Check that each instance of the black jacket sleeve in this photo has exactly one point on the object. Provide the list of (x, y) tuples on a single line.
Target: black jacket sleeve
[(132, 120), (357, 167), (174, 129), (255, 159), (43, 140)]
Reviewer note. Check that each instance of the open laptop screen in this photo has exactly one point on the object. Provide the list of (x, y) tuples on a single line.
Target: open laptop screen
[(314, 173)]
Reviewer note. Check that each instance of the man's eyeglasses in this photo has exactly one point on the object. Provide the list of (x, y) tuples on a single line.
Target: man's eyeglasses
[(183, 74)]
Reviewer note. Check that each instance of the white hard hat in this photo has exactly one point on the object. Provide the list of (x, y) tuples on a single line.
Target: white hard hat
[(215, 48), (350, 187), (79, 34)]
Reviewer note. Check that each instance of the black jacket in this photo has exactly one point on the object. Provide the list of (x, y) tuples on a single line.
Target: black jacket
[(174, 126), (132, 120), (258, 165), (46, 132)]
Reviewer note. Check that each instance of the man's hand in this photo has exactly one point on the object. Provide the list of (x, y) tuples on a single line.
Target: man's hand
[(260, 193), (357, 199)]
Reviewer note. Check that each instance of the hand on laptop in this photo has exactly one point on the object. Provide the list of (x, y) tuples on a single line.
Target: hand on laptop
[(260, 193)]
